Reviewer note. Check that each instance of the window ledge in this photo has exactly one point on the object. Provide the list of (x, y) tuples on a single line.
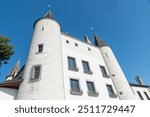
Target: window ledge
[(106, 76), (80, 92), (73, 69), (88, 72), (113, 95), (94, 94)]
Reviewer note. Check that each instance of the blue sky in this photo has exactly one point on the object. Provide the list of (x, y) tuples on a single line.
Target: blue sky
[(122, 24)]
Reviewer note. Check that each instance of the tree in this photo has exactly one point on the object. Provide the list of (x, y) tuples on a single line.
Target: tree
[(6, 50)]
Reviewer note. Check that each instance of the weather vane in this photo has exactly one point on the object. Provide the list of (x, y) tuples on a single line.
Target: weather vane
[(92, 29), (49, 6)]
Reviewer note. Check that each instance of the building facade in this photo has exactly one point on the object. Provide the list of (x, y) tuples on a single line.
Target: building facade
[(63, 67)]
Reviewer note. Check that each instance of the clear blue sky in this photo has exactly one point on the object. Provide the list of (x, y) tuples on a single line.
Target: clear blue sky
[(122, 24)]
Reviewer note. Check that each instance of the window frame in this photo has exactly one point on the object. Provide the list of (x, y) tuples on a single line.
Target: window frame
[(40, 48), (88, 66), (79, 91), (94, 92), (111, 91), (69, 65), (104, 71), (33, 73)]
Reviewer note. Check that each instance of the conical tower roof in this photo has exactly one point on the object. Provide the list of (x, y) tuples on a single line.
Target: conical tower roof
[(98, 41), (16, 69), (49, 15)]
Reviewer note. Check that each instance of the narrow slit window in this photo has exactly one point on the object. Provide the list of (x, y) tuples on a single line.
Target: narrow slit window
[(40, 48)]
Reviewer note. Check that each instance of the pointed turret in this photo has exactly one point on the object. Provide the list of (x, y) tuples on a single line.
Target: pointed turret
[(14, 71), (87, 39), (49, 15), (98, 42)]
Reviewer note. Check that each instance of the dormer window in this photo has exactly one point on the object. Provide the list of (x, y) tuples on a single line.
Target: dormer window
[(40, 48)]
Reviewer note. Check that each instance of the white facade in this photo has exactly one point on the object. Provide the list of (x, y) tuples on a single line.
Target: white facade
[(143, 90), (62, 67), (84, 52)]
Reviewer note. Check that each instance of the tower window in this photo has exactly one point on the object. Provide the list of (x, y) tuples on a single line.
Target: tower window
[(104, 72), (42, 28), (111, 91), (147, 96), (76, 44), (75, 88), (89, 49), (40, 48), (140, 95), (72, 64), (67, 41), (35, 73), (86, 67)]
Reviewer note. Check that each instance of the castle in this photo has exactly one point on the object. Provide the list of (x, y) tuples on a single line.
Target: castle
[(62, 67)]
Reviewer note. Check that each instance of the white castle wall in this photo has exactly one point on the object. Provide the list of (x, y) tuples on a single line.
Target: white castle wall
[(94, 58), (8, 93), (50, 85)]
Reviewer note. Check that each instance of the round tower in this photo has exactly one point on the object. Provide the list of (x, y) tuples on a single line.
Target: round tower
[(43, 75), (121, 84)]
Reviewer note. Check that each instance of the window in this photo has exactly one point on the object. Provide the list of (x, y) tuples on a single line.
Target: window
[(42, 28), (147, 96), (111, 91), (104, 72), (76, 44), (67, 41), (72, 64), (86, 67), (89, 49), (75, 89), (35, 73), (91, 89), (140, 95), (40, 48)]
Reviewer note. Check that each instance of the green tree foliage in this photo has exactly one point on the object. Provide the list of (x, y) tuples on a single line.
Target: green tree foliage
[(6, 50)]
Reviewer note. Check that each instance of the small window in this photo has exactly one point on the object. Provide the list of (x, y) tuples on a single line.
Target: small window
[(35, 73), (91, 89), (89, 49), (90, 86), (104, 72), (42, 28), (75, 89), (40, 48), (76, 44), (72, 64), (111, 91), (147, 96), (140, 95), (67, 41), (86, 67)]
